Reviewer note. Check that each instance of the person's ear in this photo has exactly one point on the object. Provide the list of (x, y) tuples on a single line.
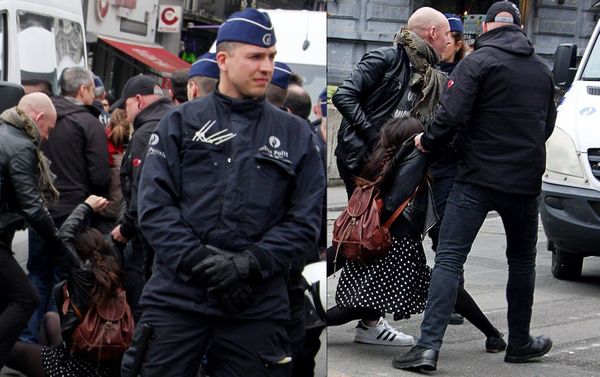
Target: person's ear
[(38, 117), (484, 27), (222, 58), (140, 100)]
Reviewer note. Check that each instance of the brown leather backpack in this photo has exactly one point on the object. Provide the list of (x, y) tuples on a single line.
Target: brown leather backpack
[(106, 330), (358, 232)]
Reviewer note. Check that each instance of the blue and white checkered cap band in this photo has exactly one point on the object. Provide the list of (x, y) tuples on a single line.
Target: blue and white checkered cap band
[(248, 26)]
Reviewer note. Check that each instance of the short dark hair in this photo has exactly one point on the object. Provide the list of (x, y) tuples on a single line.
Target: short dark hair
[(179, 85), (276, 95), (298, 101), (296, 79), (206, 84)]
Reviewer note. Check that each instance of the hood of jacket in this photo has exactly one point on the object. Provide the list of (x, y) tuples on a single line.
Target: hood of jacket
[(153, 112), (66, 107), (509, 38)]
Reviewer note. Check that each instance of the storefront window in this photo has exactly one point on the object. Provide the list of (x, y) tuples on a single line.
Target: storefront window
[(47, 45)]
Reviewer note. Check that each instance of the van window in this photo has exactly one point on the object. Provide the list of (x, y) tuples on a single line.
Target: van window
[(47, 45), (591, 71)]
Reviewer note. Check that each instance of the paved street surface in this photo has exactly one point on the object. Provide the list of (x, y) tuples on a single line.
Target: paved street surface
[(568, 312)]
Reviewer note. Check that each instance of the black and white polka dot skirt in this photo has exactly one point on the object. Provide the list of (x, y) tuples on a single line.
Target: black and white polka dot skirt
[(59, 362), (397, 283)]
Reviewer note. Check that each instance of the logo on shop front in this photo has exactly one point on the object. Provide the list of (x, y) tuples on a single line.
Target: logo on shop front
[(169, 16), (102, 8)]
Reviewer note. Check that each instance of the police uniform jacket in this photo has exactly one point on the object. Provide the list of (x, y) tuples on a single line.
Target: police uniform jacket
[(238, 175), (499, 102)]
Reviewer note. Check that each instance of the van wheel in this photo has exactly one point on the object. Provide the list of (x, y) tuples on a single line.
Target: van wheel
[(565, 265)]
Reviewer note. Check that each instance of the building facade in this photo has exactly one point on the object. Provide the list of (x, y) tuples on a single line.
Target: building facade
[(357, 26)]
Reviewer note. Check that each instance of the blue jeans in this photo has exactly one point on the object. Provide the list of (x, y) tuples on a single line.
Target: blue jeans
[(466, 210), (44, 275)]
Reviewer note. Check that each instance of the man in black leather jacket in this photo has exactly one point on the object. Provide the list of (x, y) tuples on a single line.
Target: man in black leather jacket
[(24, 174), (380, 88), (500, 104)]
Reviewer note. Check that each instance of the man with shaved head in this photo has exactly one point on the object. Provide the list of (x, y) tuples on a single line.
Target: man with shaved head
[(389, 82), (25, 181)]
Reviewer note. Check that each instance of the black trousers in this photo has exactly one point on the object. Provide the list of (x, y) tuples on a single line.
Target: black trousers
[(18, 299), (252, 348)]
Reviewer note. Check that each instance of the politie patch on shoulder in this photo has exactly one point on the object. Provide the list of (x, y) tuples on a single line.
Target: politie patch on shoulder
[(153, 151), (153, 139)]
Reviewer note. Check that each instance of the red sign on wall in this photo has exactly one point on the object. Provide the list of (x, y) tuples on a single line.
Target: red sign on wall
[(169, 19)]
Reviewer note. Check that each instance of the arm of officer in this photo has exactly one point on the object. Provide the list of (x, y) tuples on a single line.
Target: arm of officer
[(455, 105), (23, 171), (348, 98), (173, 240), (298, 230)]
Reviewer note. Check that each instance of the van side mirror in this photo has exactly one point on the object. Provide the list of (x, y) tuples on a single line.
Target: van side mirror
[(10, 94), (565, 65)]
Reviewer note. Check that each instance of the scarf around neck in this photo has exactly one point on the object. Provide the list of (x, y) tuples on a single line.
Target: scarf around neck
[(18, 119), (425, 80)]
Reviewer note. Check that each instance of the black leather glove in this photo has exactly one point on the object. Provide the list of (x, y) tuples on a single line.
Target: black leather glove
[(218, 272), (236, 298)]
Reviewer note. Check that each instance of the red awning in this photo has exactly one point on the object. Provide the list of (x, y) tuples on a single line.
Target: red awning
[(155, 57)]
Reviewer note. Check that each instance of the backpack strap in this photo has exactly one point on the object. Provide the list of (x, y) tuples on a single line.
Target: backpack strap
[(67, 302), (399, 210)]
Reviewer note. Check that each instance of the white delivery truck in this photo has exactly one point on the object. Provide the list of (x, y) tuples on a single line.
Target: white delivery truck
[(570, 205), (38, 39)]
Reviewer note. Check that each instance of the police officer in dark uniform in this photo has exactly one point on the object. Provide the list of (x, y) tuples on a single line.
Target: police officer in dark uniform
[(230, 192)]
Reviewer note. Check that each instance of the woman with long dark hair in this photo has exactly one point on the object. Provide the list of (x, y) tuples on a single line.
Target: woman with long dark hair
[(93, 277), (397, 283)]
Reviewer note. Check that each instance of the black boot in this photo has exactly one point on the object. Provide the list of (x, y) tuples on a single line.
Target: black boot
[(418, 358), (495, 344), (537, 347)]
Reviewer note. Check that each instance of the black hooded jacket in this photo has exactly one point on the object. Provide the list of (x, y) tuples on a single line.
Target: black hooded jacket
[(78, 150), (500, 103), (143, 126)]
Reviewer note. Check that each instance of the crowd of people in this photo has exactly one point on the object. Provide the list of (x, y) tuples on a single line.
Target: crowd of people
[(430, 121), (199, 208)]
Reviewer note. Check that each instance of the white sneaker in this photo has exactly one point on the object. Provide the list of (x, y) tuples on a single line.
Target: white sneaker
[(382, 334)]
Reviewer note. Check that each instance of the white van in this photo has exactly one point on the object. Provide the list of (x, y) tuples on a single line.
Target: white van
[(39, 39), (570, 208), (301, 44)]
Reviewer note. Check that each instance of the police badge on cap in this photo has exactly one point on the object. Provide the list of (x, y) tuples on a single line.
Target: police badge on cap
[(248, 26)]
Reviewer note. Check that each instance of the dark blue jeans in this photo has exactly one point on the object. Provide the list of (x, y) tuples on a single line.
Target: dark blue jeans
[(44, 274), (466, 210)]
